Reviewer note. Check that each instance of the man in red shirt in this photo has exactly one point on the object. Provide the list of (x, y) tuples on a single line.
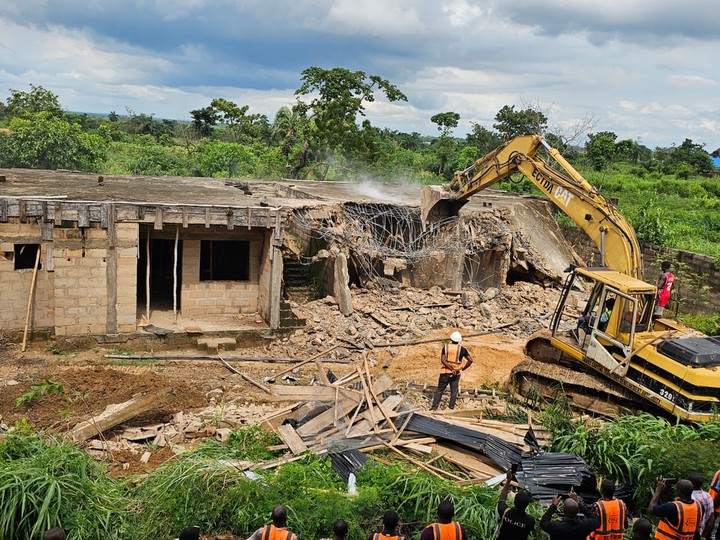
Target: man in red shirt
[(664, 284)]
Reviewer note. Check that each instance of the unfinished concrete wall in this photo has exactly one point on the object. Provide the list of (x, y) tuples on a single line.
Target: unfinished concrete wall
[(81, 301), (220, 297), (125, 252), (15, 284), (270, 282)]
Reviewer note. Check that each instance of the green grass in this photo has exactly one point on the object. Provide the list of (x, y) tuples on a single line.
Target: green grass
[(636, 449)]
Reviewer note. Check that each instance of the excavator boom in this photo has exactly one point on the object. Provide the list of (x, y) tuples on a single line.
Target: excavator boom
[(565, 187)]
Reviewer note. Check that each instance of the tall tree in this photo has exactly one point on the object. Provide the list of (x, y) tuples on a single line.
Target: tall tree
[(38, 99), (483, 139), (446, 122), (243, 127), (600, 149), (339, 97), (290, 130), (693, 156), (44, 141), (511, 123), (203, 120)]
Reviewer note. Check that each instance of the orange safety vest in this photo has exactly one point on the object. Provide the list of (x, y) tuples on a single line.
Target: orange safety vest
[(446, 531), (613, 515), (689, 516), (381, 536), (715, 490), (271, 532), (452, 356)]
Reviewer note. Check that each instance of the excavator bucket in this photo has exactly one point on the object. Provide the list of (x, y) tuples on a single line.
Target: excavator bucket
[(437, 203)]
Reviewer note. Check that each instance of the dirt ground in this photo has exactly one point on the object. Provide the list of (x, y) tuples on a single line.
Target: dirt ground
[(90, 382)]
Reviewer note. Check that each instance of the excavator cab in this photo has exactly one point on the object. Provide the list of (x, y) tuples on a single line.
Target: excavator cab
[(615, 335), (618, 307)]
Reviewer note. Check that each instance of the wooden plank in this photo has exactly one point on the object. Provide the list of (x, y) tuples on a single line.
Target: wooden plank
[(158, 222), (184, 218), (116, 414), (375, 397), (419, 448), (465, 458), (207, 218), (435, 340), (311, 359), (247, 378), (83, 216), (57, 213), (104, 217), (296, 412), (309, 393), (346, 406), (3, 210), (369, 399), (390, 403), (292, 439), (230, 220)]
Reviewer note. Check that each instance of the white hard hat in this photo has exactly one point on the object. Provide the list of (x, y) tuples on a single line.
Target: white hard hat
[(456, 337)]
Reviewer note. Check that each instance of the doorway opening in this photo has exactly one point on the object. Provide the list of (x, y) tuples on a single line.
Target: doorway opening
[(161, 274)]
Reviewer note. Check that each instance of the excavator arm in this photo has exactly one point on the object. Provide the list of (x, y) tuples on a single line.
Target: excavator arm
[(566, 188)]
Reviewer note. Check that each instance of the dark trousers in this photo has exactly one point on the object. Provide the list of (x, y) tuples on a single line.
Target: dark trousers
[(443, 381)]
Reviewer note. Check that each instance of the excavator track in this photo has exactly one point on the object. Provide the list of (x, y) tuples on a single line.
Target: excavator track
[(549, 375)]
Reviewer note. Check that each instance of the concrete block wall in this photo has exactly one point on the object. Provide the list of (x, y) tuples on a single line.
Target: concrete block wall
[(126, 251), (697, 277), (219, 297), (80, 281), (15, 284)]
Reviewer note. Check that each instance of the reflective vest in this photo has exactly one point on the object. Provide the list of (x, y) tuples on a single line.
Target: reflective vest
[(613, 515), (689, 516), (452, 357), (664, 293), (715, 490), (271, 532), (381, 536), (446, 531)]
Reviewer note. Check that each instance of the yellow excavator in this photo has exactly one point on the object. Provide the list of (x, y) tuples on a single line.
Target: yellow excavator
[(645, 362)]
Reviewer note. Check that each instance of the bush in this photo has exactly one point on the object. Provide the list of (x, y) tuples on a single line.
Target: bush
[(45, 484), (636, 449)]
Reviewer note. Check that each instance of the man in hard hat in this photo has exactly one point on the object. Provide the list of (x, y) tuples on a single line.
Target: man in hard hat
[(451, 364)]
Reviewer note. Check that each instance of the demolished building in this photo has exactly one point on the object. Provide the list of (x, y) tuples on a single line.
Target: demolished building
[(83, 254)]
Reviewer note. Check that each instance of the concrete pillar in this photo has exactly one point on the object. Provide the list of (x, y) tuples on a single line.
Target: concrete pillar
[(341, 287), (276, 276)]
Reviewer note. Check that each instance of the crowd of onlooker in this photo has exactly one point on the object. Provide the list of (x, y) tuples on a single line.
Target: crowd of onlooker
[(691, 515)]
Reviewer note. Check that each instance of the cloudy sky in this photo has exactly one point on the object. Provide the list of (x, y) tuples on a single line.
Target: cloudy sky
[(645, 69)]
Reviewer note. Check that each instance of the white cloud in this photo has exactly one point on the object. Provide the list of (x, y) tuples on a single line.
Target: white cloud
[(693, 81), (462, 13), (373, 17)]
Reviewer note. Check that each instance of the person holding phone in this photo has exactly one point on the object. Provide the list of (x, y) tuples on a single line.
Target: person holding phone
[(515, 522), (679, 519), (572, 526)]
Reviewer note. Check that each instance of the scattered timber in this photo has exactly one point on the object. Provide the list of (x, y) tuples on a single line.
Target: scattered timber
[(116, 414)]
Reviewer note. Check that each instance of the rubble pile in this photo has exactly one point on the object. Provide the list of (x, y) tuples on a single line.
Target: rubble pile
[(383, 316)]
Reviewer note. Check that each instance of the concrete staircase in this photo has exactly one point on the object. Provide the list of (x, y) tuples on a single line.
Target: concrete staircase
[(297, 287), (297, 280)]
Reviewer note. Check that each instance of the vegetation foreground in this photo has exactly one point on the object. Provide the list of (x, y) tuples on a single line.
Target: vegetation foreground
[(45, 482)]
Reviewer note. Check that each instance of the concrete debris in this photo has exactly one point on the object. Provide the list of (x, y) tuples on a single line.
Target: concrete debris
[(382, 316)]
